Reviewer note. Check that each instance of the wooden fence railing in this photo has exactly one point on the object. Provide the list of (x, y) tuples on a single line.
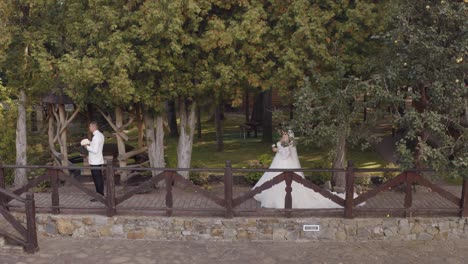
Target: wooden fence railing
[(228, 203), (27, 235)]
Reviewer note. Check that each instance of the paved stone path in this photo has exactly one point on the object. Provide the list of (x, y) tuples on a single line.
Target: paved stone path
[(66, 250)]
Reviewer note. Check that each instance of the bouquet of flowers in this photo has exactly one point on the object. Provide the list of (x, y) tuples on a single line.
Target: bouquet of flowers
[(292, 140), (85, 142)]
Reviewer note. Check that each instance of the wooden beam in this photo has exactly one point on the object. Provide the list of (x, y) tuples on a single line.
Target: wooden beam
[(228, 182), (348, 212), (266, 185), (371, 193), (408, 193), (442, 192), (11, 219), (132, 153), (140, 187), (464, 198), (64, 126)]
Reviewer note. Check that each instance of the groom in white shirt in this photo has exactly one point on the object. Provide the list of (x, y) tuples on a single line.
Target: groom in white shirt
[(96, 158)]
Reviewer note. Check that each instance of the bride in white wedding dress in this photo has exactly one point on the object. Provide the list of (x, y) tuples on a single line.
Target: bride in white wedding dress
[(302, 197)]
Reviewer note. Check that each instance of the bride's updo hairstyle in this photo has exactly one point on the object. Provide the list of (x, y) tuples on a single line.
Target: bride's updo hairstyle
[(284, 129)]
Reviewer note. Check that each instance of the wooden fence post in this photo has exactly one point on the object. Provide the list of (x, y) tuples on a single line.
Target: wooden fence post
[(349, 195), (3, 199), (169, 201), (464, 198), (408, 193), (288, 197), (31, 245), (228, 182), (110, 189), (54, 182)]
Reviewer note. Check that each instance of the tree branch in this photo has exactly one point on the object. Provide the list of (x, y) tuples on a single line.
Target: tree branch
[(57, 119), (69, 120), (130, 121), (109, 120)]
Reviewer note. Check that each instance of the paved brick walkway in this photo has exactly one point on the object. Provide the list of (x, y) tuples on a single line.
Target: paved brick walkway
[(69, 250)]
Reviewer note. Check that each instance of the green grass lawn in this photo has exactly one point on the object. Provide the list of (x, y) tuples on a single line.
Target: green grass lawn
[(240, 151)]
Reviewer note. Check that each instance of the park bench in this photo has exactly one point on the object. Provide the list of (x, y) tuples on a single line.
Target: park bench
[(248, 127)]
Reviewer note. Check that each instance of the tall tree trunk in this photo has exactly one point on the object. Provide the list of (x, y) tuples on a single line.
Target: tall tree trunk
[(63, 135), (257, 109), (21, 178), (219, 128), (423, 135), (291, 111), (140, 124), (187, 129), (247, 107), (51, 131), (154, 141), (34, 122), (339, 162), (120, 142), (466, 110), (150, 134), (419, 151), (159, 139), (89, 116), (61, 120), (199, 128), (267, 134), (172, 118), (51, 134)]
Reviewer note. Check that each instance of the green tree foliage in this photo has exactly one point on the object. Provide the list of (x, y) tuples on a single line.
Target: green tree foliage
[(98, 59), (338, 78), (341, 82), (426, 65), (22, 64), (8, 118), (123, 52)]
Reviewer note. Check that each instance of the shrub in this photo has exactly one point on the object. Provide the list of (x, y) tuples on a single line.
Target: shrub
[(197, 177), (388, 175), (263, 162), (170, 162), (363, 179), (320, 178)]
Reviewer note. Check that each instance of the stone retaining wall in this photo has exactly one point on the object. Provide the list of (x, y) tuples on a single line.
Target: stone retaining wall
[(255, 229)]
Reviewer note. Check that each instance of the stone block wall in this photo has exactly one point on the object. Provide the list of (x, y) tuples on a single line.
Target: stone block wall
[(251, 229)]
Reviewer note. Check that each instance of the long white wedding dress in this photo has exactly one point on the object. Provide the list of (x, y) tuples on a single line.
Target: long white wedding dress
[(302, 197)]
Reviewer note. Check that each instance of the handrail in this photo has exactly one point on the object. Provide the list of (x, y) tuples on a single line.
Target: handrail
[(227, 203), (288, 170), (111, 201), (392, 170), (219, 169), (12, 195), (173, 169)]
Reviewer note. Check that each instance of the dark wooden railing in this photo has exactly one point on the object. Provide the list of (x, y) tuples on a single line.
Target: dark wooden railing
[(228, 203), (27, 235), (410, 177)]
